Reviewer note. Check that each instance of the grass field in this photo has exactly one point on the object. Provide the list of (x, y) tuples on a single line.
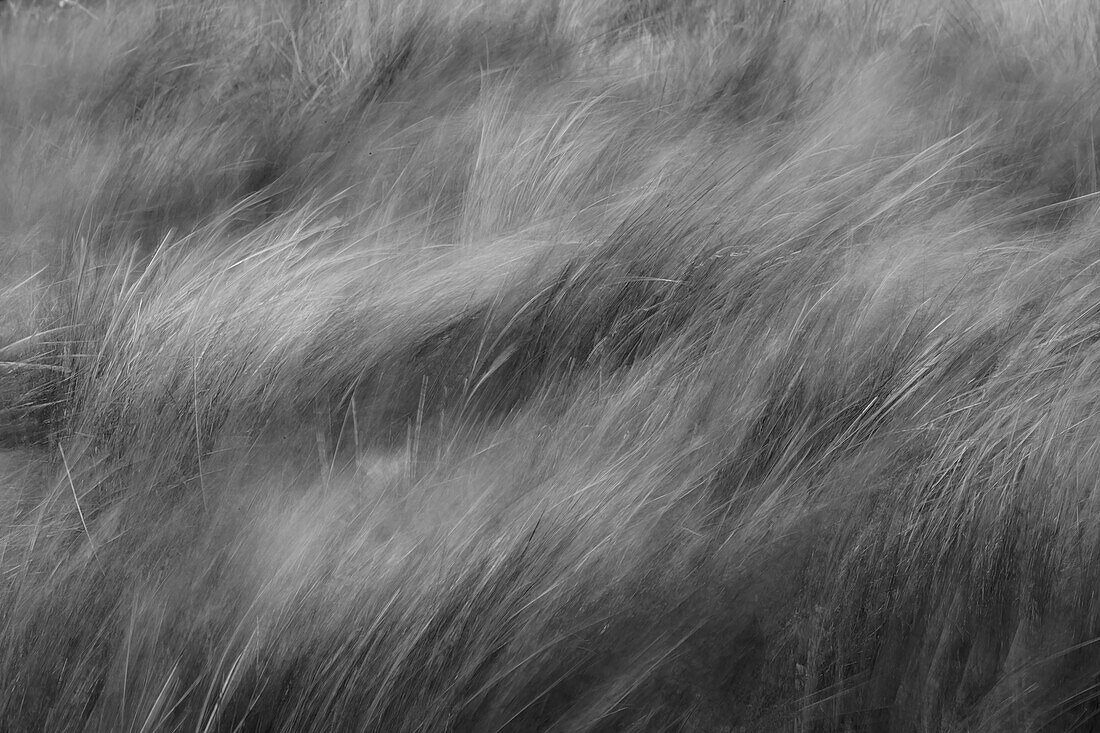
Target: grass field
[(566, 365)]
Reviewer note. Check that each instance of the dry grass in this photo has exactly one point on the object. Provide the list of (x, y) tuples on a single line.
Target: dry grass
[(494, 365)]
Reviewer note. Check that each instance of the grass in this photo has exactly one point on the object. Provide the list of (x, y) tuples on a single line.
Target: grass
[(496, 365)]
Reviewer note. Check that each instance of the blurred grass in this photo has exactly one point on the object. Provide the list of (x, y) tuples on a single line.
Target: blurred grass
[(493, 365)]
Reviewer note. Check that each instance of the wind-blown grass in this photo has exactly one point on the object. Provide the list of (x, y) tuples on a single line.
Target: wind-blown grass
[(492, 365)]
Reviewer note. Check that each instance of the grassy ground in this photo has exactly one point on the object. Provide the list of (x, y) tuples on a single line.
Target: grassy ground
[(405, 365)]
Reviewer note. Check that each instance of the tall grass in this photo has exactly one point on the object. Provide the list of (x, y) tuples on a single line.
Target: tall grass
[(495, 365)]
